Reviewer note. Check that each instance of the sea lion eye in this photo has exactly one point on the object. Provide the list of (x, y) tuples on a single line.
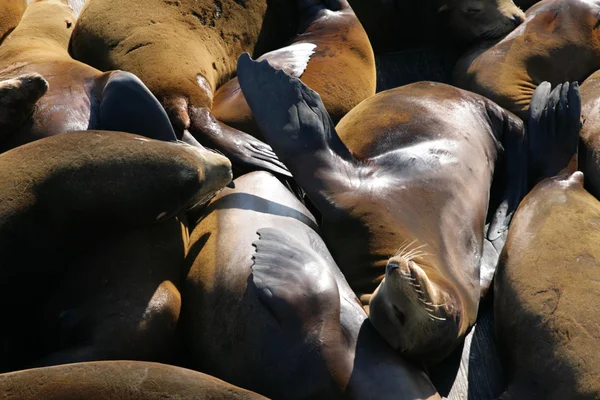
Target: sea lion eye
[(69, 24)]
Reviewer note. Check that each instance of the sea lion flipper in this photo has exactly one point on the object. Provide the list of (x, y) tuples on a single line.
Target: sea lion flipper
[(292, 59), (511, 182), (291, 280), (127, 105), (18, 97), (294, 121), (553, 129)]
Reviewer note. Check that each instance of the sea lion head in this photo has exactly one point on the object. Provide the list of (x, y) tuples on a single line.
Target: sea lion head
[(51, 19), (477, 20), (413, 307)]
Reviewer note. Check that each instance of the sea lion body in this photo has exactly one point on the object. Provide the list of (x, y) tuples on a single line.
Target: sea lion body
[(125, 380), (296, 327), (11, 12), (409, 167), (545, 293), (183, 51), (558, 42), (76, 189), (78, 97), (589, 153), (341, 67)]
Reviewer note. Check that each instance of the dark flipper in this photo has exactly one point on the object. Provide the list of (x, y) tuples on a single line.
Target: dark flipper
[(509, 188), (126, 105), (243, 150), (18, 97), (296, 124), (294, 282), (554, 123)]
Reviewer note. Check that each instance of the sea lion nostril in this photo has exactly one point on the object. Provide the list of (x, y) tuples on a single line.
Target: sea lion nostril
[(392, 266), (517, 19)]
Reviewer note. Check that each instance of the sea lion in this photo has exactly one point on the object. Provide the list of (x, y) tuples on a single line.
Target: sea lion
[(79, 97), (123, 380), (545, 291), (11, 12), (70, 192), (183, 51), (288, 307), (332, 55), (392, 191), (559, 41), (396, 24), (589, 151)]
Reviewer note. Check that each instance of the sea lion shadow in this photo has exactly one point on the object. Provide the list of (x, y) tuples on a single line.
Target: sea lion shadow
[(473, 370), (246, 201)]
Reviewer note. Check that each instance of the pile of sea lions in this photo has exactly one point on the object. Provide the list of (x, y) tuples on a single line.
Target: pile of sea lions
[(215, 199)]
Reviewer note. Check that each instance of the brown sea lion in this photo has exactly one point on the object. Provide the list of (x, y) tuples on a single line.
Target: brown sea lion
[(589, 152), (546, 288), (399, 24), (293, 327), (183, 51), (66, 195), (122, 380), (559, 41), (79, 97), (332, 55), (404, 192), (11, 12)]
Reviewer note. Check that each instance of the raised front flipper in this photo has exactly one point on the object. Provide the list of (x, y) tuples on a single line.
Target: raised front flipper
[(122, 103), (18, 97), (294, 121)]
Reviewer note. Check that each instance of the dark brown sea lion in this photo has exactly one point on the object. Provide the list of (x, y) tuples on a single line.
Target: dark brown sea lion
[(589, 152), (78, 195), (183, 51), (79, 97), (122, 380), (331, 55), (279, 318), (546, 288), (559, 41), (11, 12), (404, 192), (399, 24)]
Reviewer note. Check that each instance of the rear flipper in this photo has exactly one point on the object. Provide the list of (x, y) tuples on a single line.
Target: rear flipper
[(294, 282), (554, 123), (293, 119), (126, 105), (244, 151), (18, 97)]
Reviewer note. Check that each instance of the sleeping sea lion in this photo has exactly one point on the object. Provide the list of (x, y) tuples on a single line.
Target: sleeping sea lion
[(546, 288), (266, 308), (400, 24), (183, 51), (332, 56), (74, 201), (559, 41), (589, 151), (78, 97), (123, 380), (409, 167)]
